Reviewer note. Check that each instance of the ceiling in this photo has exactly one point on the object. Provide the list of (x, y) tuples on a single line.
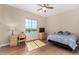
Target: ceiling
[(58, 8)]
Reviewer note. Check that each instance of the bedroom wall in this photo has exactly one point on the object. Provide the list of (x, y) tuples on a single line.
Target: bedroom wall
[(66, 21), (3, 30), (15, 17)]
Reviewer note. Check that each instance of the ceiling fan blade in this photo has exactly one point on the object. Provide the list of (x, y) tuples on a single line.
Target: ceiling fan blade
[(40, 5), (50, 7), (39, 9), (45, 5)]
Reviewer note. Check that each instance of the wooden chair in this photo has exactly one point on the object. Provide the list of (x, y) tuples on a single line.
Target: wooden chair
[(21, 38)]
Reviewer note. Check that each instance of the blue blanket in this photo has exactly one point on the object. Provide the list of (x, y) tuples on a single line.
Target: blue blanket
[(69, 40)]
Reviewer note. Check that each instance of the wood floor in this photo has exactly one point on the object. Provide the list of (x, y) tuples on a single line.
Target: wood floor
[(48, 49)]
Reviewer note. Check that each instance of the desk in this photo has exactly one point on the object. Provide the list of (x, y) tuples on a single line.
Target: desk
[(17, 39)]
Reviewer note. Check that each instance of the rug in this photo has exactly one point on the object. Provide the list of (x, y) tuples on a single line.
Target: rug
[(39, 43), (34, 45)]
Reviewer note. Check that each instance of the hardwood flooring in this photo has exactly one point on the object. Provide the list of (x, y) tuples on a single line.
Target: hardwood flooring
[(48, 49)]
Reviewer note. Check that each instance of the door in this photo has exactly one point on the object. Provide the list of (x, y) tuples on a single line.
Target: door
[(31, 29)]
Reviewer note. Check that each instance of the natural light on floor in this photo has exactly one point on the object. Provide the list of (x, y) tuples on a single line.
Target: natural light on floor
[(34, 44)]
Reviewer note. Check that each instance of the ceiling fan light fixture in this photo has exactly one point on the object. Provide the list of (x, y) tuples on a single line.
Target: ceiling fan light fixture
[(44, 8)]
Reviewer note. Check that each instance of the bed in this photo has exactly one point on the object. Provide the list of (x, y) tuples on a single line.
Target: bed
[(64, 39)]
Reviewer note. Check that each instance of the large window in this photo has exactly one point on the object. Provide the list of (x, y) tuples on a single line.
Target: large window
[(30, 25)]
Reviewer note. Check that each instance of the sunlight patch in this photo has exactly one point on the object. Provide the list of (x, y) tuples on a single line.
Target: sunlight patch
[(34, 45)]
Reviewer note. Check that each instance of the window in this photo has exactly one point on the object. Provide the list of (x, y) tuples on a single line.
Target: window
[(30, 25)]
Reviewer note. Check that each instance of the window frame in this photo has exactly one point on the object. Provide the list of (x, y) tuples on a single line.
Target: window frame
[(31, 25)]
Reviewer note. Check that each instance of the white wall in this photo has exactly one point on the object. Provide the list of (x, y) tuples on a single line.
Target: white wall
[(3, 30), (14, 16), (66, 21)]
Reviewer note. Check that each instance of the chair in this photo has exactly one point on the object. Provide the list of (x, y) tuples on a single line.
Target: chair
[(21, 38)]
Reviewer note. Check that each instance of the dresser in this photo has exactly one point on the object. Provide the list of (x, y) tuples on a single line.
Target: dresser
[(42, 35), (13, 40)]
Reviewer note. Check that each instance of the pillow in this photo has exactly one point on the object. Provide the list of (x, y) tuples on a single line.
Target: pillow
[(66, 33), (60, 32)]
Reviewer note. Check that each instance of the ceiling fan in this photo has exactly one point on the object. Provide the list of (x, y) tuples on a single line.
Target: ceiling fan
[(44, 7)]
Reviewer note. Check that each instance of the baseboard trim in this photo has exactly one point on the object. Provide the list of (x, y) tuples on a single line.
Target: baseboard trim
[(1, 45)]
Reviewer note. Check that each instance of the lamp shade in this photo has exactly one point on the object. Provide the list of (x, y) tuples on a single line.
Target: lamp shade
[(12, 28)]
